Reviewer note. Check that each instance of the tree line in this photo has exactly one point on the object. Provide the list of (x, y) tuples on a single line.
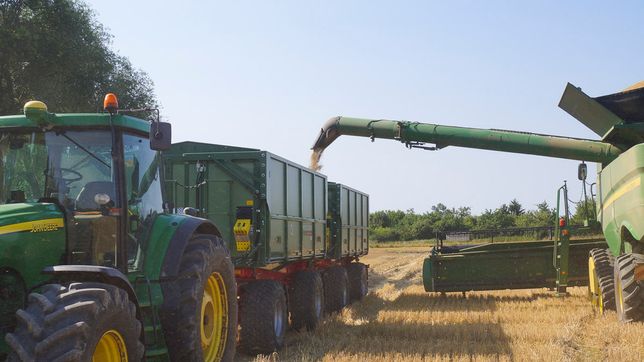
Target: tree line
[(390, 225)]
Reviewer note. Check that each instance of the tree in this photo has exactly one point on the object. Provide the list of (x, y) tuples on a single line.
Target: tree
[(515, 208), (57, 52)]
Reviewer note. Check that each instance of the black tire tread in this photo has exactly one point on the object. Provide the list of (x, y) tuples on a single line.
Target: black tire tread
[(632, 290), (60, 321), (357, 273), (257, 332), (302, 300), (604, 265), (336, 283)]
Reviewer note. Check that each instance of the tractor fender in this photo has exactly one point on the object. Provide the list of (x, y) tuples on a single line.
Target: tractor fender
[(179, 240), (94, 273)]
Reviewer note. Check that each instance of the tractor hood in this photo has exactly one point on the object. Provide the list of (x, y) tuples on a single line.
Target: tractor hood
[(28, 217)]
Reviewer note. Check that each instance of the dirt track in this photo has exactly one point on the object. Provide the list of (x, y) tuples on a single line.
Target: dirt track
[(399, 321)]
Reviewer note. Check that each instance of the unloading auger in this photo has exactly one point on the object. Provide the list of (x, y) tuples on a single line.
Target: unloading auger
[(616, 275)]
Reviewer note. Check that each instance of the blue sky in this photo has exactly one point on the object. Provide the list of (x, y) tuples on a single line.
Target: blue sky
[(267, 74)]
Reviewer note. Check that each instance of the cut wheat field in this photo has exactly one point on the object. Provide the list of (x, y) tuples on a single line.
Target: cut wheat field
[(399, 321)]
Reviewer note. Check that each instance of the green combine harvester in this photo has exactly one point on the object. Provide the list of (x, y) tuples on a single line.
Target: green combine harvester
[(116, 245), (616, 273)]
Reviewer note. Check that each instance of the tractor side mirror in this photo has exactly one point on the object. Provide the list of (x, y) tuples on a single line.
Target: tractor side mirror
[(160, 136), (582, 171)]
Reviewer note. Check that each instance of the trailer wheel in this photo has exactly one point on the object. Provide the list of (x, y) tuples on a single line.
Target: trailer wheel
[(629, 292), (264, 317), (204, 325), (79, 322), (358, 283), (601, 285), (306, 300), (336, 292)]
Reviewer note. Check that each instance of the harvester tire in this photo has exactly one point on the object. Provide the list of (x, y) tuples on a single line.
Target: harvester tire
[(78, 322), (306, 300), (204, 325), (603, 262), (264, 317), (336, 289), (629, 292), (358, 283)]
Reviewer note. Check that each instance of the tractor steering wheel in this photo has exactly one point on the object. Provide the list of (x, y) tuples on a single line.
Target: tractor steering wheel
[(78, 175)]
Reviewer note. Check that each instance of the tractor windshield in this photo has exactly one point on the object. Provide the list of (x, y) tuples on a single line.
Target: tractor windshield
[(37, 166)]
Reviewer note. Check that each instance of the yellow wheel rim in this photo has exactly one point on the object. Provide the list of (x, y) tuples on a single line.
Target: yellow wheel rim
[(214, 318), (593, 287), (620, 297), (111, 347)]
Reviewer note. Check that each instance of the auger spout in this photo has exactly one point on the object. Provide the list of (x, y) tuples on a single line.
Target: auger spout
[(415, 134)]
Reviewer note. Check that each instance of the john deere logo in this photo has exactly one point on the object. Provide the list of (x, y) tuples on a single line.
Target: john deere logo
[(43, 227), (39, 226)]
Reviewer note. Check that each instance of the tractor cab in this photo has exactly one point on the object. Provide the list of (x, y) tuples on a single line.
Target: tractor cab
[(99, 171)]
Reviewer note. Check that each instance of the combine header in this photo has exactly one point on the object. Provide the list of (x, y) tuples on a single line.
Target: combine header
[(616, 274)]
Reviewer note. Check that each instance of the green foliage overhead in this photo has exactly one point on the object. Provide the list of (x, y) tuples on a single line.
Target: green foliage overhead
[(57, 52)]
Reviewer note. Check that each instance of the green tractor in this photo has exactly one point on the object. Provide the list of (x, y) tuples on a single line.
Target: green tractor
[(616, 274), (92, 264)]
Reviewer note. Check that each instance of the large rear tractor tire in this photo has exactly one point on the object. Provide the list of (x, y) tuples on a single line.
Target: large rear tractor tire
[(358, 283), (336, 289), (629, 292), (306, 300), (79, 322), (601, 285), (204, 324), (264, 317)]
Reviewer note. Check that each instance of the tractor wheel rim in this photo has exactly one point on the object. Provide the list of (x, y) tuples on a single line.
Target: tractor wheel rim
[(111, 347), (620, 296), (593, 285), (214, 318)]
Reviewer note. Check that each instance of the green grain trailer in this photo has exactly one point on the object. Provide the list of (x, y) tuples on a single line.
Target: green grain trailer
[(616, 273), (348, 221), (274, 214), (92, 266)]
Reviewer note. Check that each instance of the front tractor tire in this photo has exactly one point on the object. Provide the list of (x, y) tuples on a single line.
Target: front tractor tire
[(629, 292), (78, 322), (264, 317), (601, 284), (203, 324)]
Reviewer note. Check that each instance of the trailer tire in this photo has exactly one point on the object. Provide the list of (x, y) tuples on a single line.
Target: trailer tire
[(629, 292), (264, 317), (203, 327), (601, 281), (306, 300), (336, 289), (358, 281), (77, 322)]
